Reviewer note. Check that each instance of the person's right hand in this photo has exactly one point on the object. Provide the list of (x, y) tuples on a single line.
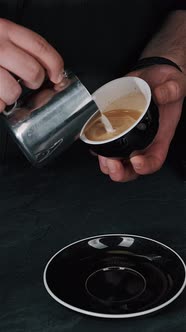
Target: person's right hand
[(27, 55)]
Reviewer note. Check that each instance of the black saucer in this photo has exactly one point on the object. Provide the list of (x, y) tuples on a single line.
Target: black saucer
[(115, 276)]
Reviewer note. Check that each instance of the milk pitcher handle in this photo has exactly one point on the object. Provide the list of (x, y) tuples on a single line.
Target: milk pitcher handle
[(9, 110)]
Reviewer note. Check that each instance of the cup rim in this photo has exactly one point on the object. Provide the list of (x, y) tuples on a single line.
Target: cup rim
[(148, 100)]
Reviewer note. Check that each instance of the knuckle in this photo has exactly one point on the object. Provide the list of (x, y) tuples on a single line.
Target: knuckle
[(42, 45), (158, 162), (35, 74), (3, 25), (174, 89), (59, 63)]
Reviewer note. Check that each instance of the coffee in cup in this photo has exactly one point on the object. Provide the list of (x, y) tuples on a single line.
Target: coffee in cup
[(132, 115), (120, 120), (121, 114)]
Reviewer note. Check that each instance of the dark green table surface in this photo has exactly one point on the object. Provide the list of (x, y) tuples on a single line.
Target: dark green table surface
[(42, 210)]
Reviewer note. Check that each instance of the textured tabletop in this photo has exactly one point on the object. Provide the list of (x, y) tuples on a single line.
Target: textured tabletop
[(42, 210)]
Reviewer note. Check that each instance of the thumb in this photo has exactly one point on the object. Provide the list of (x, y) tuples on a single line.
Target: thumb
[(147, 164), (151, 160), (170, 91)]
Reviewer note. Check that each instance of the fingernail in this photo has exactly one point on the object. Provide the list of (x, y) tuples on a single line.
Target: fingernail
[(60, 77), (137, 165)]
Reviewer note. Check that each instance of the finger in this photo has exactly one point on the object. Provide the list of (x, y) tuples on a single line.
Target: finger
[(151, 161), (40, 49), (2, 105), (154, 156), (120, 172), (10, 89), (171, 91), (103, 164), (23, 65)]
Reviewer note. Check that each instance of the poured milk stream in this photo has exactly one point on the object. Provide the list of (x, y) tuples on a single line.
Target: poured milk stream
[(107, 124), (116, 118)]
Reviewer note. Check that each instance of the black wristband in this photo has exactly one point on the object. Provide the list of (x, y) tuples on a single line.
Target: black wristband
[(154, 60)]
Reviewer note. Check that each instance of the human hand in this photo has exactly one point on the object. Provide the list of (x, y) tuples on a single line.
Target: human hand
[(27, 55), (168, 87)]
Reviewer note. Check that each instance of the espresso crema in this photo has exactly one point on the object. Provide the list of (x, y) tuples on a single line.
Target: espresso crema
[(121, 118)]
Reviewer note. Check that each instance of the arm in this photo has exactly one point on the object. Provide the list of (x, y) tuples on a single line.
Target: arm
[(170, 42), (169, 89)]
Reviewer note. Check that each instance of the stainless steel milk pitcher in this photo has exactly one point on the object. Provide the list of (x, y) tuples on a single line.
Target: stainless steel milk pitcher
[(47, 121)]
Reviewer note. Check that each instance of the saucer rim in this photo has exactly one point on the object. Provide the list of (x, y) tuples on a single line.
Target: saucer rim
[(102, 315)]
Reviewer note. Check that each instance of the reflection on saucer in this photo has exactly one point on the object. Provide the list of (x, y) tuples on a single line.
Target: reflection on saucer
[(115, 276), (115, 284)]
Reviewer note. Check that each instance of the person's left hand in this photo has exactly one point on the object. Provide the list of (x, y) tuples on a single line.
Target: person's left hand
[(168, 87)]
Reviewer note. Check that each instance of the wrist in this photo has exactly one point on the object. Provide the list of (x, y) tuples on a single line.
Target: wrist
[(154, 60), (175, 57), (170, 41)]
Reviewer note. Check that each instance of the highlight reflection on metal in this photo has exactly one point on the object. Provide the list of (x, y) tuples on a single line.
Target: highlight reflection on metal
[(46, 122)]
